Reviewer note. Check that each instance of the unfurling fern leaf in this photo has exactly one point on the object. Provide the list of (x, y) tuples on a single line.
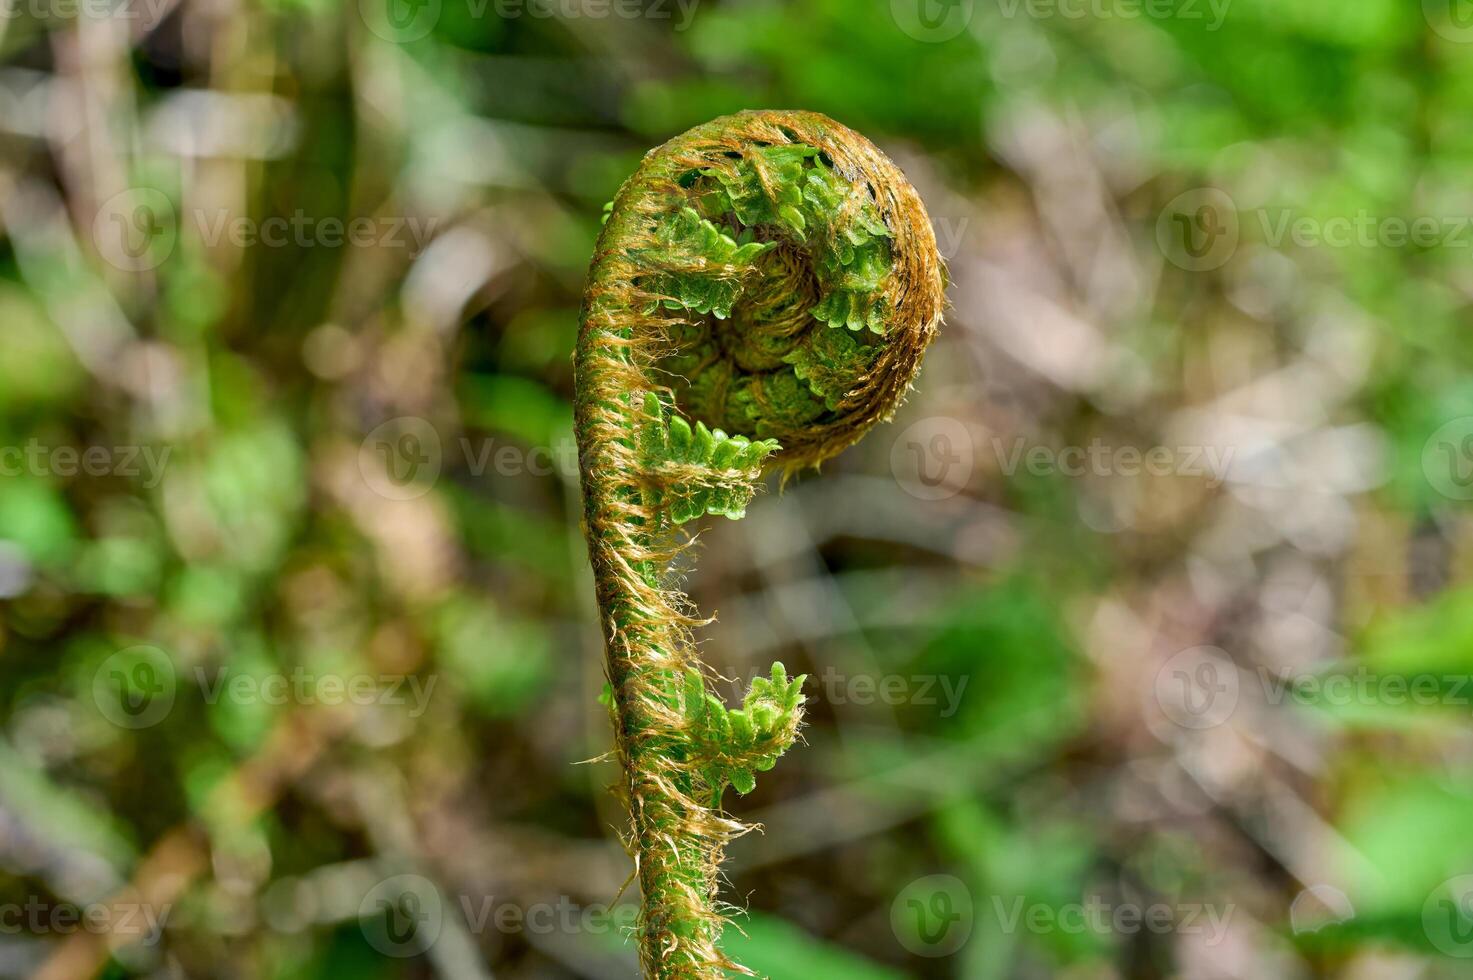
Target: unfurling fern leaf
[(731, 746), (771, 275)]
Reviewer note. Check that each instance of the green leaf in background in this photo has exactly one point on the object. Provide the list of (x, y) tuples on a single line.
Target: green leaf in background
[(501, 663), (775, 947)]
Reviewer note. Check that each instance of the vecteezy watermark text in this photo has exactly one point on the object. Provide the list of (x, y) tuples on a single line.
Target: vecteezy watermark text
[(402, 458), (484, 912), (403, 21), (137, 687), (1200, 229), (404, 915), (1098, 916), (1213, 12), (680, 11), (1363, 230), (137, 229), (38, 459), (304, 687), (144, 12), (138, 921), (925, 690), (305, 231), (936, 21), (1363, 687), (1201, 688), (1100, 459), (934, 459)]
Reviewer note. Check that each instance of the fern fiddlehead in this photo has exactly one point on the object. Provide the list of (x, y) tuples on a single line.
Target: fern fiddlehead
[(774, 276)]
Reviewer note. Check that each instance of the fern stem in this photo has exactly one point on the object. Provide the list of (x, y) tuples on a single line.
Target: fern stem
[(774, 275)]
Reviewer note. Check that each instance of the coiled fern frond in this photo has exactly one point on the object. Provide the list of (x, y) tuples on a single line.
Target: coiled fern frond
[(761, 295)]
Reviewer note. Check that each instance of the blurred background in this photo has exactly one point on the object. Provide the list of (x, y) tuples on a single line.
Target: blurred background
[(1139, 644)]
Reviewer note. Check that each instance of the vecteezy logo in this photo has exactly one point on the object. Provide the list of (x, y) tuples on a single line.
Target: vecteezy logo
[(402, 915), (932, 916), (400, 459), (932, 20), (1459, 916), (135, 230), (134, 688), (1450, 19), (941, 450), (1447, 916), (932, 459), (1198, 230), (400, 21), (1447, 459), (1197, 688)]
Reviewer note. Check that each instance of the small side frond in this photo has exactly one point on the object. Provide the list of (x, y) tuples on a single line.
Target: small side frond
[(694, 470), (731, 745)]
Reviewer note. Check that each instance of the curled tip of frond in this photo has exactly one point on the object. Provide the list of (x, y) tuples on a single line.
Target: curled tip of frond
[(788, 275)]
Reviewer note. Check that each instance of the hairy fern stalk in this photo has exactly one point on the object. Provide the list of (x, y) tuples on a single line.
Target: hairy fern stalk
[(761, 295)]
